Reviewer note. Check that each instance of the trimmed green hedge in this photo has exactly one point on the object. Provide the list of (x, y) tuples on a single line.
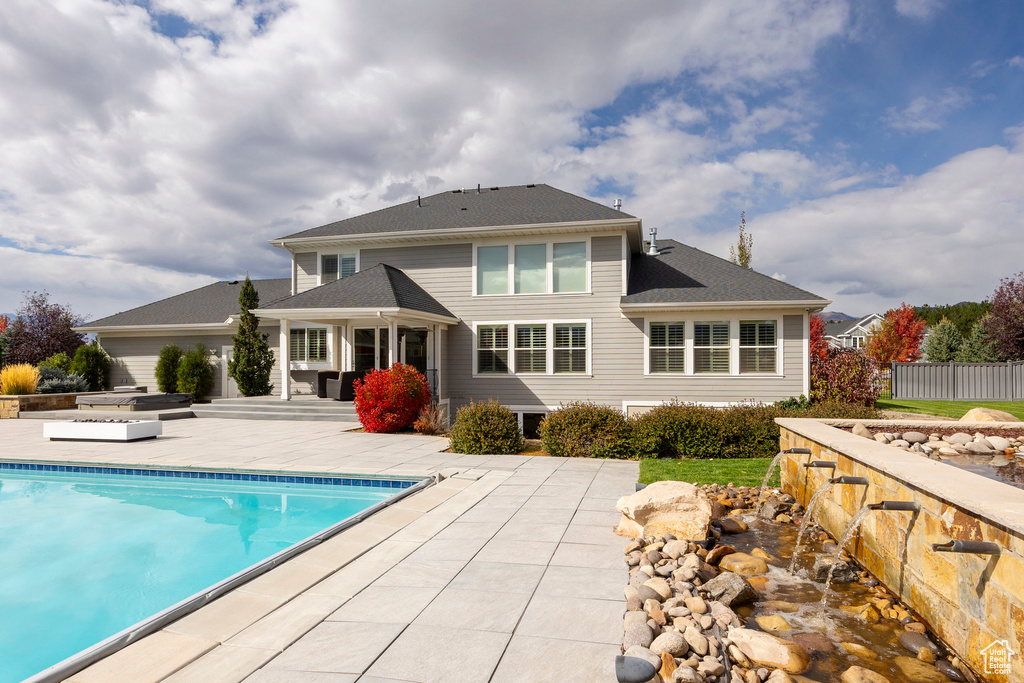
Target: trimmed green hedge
[(486, 428), (587, 430)]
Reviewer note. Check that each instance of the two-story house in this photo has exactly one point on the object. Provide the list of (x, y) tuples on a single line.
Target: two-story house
[(526, 294)]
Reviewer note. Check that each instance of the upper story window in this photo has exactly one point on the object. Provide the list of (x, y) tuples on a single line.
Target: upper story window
[(711, 347), (308, 345), (668, 347), (541, 268), (335, 266), (758, 345)]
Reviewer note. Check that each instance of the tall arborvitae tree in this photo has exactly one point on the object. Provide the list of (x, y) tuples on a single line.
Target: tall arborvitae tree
[(943, 342), (743, 252), (253, 361), (976, 347)]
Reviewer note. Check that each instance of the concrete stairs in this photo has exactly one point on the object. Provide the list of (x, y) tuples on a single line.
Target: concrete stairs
[(305, 408)]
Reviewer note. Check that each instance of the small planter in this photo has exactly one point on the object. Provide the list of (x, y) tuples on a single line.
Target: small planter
[(102, 430)]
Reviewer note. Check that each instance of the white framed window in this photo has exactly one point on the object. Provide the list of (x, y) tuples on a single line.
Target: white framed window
[(667, 347), (492, 349), (711, 347), (570, 349), (534, 347), (335, 265), (308, 345), (531, 349), (758, 346), (525, 268)]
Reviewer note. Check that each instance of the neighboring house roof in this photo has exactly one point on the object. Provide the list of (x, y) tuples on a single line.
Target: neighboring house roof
[(496, 206), (853, 328), (209, 305), (840, 328), (682, 274), (379, 287)]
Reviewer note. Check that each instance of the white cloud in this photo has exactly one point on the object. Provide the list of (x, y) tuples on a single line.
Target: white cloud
[(925, 114), (1016, 62), (918, 9), (945, 236)]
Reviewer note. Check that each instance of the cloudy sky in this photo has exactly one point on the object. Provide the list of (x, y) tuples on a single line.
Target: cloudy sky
[(149, 147)]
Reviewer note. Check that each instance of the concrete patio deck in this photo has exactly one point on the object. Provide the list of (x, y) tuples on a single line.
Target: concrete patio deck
[(506, 572)]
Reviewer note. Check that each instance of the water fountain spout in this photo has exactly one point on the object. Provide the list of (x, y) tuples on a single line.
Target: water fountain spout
[(853, 481), (969, 547), (771, 468), (821, 463), (900, 505)]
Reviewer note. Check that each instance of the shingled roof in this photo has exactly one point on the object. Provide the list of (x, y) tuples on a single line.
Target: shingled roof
[(207, 305), (516, 205), (381, 286), (682, 274)]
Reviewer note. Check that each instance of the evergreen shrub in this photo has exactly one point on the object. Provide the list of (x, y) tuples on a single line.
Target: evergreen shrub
[(60, 360), (195, 372), (166, 372), (486, 428), (62, 385), (92, 363), (586, 430)]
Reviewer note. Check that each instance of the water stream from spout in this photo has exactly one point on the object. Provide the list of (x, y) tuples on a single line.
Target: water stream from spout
[(808, 514), (848, 533), (764, 482)]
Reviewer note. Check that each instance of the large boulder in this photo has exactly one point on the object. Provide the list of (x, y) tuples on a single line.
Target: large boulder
[(665, 507), (988, 415), (730, 589), (767, 650)]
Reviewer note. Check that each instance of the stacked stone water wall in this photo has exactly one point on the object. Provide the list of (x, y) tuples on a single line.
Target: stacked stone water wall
[(970, 601)]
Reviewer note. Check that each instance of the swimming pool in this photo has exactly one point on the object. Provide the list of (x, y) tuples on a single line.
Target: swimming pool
[(89, 551)]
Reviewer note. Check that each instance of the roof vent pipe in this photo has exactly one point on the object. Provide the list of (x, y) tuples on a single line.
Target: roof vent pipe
[(418, 203), (653, 249), (617, 204), (478, 188)]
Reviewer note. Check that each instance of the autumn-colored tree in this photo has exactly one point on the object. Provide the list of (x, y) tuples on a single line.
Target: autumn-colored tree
[(1004, 326), (743, 252), (819, 345), (4, 322), (898, 338)]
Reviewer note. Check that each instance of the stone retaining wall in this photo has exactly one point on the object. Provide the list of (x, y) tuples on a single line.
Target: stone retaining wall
[(970, 601), (11, 406)]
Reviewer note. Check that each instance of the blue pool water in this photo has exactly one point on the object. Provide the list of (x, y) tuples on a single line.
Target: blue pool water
[(84, 556)]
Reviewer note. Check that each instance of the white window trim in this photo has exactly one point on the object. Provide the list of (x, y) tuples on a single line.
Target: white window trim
[(550, 279), (317, 365), (734, 345), (550, 346), (332, 252)]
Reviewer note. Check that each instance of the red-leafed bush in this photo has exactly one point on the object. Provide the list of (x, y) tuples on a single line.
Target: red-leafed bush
[(844, 376), (389, 400)]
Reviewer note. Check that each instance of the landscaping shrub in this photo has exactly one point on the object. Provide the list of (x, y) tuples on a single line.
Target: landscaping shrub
[(92, 363), (62, 385), (430, 421), (744, 431), (166, 372), (389, 400), (586, 430), (844, 376), (195, 372), (486, 428), (60, 360), (21, 378), (252, 361)]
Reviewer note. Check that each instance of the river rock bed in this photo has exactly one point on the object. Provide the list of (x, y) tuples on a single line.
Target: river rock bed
[(726, 609)]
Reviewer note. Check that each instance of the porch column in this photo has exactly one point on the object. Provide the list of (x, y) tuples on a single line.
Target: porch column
[(393, 356), (284, 358)]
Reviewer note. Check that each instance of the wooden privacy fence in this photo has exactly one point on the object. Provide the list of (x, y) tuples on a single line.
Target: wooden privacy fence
[(958, 381)]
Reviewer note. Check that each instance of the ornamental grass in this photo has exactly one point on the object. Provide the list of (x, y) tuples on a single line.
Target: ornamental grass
[(19, 379)]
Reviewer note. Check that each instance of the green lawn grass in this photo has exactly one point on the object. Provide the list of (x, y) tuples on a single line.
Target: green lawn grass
[(954, 409), (740, 471)]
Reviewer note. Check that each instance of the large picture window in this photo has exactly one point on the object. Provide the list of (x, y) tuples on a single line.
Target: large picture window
[(548, 268), (334, 266), (570, 354), (492, 349), (308, 345), (711, 347), (758, 345), (531, 348), (668, 347)]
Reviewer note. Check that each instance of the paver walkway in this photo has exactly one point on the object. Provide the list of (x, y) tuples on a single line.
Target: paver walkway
[(508, 572)]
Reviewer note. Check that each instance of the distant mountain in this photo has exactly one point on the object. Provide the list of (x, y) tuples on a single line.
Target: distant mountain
[(837, 317)]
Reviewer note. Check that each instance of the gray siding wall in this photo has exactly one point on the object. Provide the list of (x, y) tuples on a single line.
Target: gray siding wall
[(135, 356), (305, 271), (618, 343)]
